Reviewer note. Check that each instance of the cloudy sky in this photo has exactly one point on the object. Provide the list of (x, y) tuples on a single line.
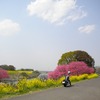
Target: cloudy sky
[(35, 33)]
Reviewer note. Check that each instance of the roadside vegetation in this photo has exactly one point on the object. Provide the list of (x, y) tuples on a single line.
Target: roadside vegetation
[(24, 85)]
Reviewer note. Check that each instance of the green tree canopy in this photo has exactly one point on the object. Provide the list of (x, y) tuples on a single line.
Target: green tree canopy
[(8, 67), (77, 55)]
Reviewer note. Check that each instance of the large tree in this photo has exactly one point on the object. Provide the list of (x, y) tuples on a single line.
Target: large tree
[(77, 55), (8, 67)]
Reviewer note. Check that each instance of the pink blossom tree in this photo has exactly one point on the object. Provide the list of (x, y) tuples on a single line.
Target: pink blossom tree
[(58, 72), (76, 68), (3, 74)]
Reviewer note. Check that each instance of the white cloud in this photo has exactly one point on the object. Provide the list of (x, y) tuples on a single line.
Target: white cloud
[(87, 29), (56, 11), (77, 14), (8, 27)]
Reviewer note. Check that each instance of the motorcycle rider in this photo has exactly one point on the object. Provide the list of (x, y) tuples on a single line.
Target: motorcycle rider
[(67, 80)]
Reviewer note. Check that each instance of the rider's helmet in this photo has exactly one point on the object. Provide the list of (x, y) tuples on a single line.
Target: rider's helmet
[(68, 72)]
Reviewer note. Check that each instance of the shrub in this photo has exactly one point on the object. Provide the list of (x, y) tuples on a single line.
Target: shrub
[(92, 76), (35, 74), (43, 76), (24, 75), (83, 77), (3, 74)]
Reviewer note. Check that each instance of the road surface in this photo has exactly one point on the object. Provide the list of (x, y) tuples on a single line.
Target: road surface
[(84, 90)]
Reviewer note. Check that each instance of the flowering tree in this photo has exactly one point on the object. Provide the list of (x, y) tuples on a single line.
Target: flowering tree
[(76, 68), (58, 72), (3, 74)]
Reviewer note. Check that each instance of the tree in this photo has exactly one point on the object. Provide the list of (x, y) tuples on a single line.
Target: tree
[(7, 67), (35, 74), (79, 67), (27, 69), (78, 55), (4, 67), (3, 74), (76, 68), (11, 67)]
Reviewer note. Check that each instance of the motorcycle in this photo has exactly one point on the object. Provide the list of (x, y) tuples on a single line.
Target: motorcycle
[(66, 83)]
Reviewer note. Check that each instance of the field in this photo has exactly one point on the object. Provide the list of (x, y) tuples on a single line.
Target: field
[(19, 72)]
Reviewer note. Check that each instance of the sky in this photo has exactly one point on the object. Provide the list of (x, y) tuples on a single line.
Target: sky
[(35, 33)]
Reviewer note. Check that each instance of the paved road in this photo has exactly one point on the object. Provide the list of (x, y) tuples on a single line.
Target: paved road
[(85, 90)]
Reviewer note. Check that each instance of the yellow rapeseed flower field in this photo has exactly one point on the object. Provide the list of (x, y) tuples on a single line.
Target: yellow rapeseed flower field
[(25, 85)]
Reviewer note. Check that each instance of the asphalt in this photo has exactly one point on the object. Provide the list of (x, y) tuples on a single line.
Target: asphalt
[(84, 90)]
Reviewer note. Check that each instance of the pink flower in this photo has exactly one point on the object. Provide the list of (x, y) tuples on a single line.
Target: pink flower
[(76, 68), (3, 74)]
